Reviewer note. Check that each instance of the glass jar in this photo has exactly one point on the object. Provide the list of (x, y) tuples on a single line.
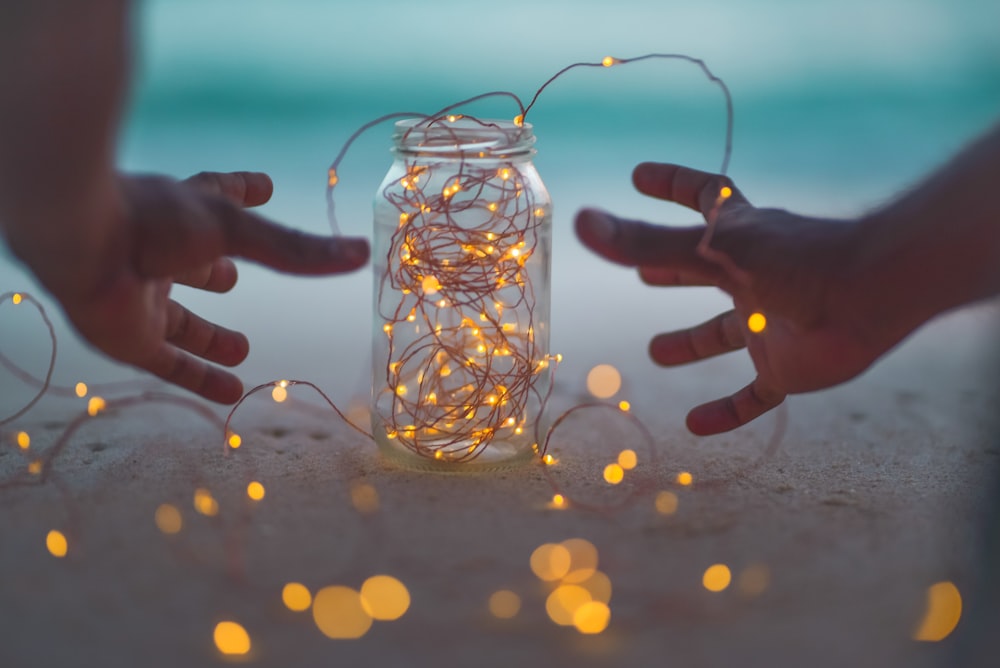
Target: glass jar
[(462, 254)]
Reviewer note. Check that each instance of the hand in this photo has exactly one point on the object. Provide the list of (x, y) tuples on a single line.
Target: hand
[(184, 232), (798, 272)]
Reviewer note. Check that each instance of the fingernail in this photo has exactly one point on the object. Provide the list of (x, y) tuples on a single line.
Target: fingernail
[(599, 226)]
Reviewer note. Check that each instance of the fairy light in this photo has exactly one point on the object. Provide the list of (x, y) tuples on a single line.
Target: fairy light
[(168, 519), (504, 604), (16, 298), (624, 406), (296, 597), (80, 390), (279, 393), (756, 323), (95, 406), (205, 503), (384, 598), (256, 491), (235, 441), (608, 61), (716, 578), (549, 460), (684, 478), (558, 501), (339, 614), (613, 474), (726, 192), (627, 459), (23, 440), (56, 544), (231, 639)]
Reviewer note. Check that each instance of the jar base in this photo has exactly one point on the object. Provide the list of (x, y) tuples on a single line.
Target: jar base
[(497, 457)]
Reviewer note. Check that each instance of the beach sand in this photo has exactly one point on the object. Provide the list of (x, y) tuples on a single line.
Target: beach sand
[(876, 492)]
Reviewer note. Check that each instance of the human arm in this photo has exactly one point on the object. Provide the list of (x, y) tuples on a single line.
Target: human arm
[(110, 246), (836, 294)]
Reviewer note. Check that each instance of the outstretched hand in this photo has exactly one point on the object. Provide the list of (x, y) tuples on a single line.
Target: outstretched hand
[(797, 272), (184, 232)]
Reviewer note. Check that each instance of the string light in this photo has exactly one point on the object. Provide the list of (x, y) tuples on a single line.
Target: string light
[(16, 298), (23, 440), (756, 323), (56, 544), (279, 393), (235, 441), (231, 639), (95, 406)]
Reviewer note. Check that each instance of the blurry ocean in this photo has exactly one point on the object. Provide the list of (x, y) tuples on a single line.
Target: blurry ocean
[(838, 106)]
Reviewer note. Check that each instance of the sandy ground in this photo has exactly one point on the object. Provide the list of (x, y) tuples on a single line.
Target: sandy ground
[(876, 492)]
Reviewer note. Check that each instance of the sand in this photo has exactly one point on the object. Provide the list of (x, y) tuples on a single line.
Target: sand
[(877, 491)]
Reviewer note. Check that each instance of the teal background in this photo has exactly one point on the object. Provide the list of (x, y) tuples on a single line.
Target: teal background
[(839, 105)]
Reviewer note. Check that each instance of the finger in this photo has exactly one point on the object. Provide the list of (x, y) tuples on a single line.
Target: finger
[(635, 243), (179, 368), (240, 188), (284, 249), (731, 412), (721, 334), (668, 276), (204, 339), (217, 276), (688, 187)]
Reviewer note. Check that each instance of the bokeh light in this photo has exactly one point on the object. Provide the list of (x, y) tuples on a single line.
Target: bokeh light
[(235, 441), (23, 440), (558, 501), (256, 491), (613, 474), (296, 597), (592, 617), (604, 381), (168, 519), (81, 390), (16, 298), (627, 459), (95, 406), (666, 503), (205, 503), (35, 467), (56, 543), (583, 560), (339, 613), (599, 587), (385, 598), (716, 578), (684, 478), (231, 639), (756, 323), (550, 562), (564, 601), (279, 394), (624, 406), (754, 580), (364, 498), (944, 610), (504, 604)]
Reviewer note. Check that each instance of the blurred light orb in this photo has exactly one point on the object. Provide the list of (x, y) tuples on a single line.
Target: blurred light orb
[(627, 459), (550, 562), (582, 558), (385, 598), (339, 613), (666, 503), (504, 604), (231, 639), (168, 519), (592, 617), (756, 323), (296, 597), (56, 544), (604, 381), (613, 474), (717, 578), (562, 604), (944, 610), (256, 491)]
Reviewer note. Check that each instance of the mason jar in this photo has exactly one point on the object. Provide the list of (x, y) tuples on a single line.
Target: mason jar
[(462, 255)]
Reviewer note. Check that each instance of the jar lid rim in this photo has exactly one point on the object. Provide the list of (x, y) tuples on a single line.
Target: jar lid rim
[(462, 133)]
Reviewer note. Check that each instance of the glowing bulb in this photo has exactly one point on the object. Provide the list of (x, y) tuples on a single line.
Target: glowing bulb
[(504, 173), (627, 459), (256, 491), (231, 639), (519, 120), (684, 478), (95, 406), (81, 390), (16, 299), (613, 474), (23, 440), (430, 285), (279, 394), (558, 501), (452, 118), (235, 441), (168, 519), (332, 179), (403, 219), (492, 206), (608, 61), (401, 390), (666, 503), (384, 598), (726, 192), (504, 604), (339, 613), (549, 460), (56, 544), (296, 597), (205, 503), (756, 323), (387, 328), (716, 578), (624, 406), (944, 610)]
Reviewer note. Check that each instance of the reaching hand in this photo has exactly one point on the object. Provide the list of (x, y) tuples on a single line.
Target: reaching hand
[(184, 232), (798, 272)]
